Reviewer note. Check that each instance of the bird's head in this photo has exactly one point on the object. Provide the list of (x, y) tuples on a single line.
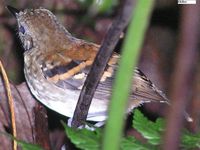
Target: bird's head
[(38, 27)]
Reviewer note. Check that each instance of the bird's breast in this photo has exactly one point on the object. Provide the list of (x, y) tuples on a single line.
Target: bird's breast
[(56, 98)]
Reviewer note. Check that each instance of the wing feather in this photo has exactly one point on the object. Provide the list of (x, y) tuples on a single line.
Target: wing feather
[(71, 74)]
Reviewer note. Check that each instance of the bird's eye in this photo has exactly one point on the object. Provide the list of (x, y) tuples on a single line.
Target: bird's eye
[(21, 29)]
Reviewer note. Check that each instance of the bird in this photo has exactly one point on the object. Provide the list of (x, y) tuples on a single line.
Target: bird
[(56, 65)]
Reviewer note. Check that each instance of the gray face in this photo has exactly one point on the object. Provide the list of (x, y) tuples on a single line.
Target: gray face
[(25, 37), (22, 29), (35, 26), (38, 27)]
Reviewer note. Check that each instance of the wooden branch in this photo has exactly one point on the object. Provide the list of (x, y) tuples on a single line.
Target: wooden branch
[(11, 104), (183, 75), (102, 58)]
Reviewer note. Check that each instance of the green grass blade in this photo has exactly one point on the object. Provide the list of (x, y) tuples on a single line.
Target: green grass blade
[(122, 85)]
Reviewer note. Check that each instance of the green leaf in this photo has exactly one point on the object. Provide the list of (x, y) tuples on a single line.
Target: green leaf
[(124, 75), (84, 138), (131, 142), (28, 146), (150, 130), (190, 140), (106, 5)]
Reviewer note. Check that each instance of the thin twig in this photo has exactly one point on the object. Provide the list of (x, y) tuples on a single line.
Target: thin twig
[(11, 105), (183, 76), (101, 60)]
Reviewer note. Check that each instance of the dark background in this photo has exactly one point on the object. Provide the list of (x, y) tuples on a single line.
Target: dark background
[(158, 55)]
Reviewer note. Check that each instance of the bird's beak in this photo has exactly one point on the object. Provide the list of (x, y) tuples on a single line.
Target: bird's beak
[(13, 11)]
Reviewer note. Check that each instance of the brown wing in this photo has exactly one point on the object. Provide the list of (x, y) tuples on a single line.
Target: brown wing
[(142, 89), (69, 68), (145, 90), (64, 63)]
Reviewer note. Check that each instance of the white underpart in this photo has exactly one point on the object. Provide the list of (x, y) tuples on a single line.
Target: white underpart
[(64, 101)]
